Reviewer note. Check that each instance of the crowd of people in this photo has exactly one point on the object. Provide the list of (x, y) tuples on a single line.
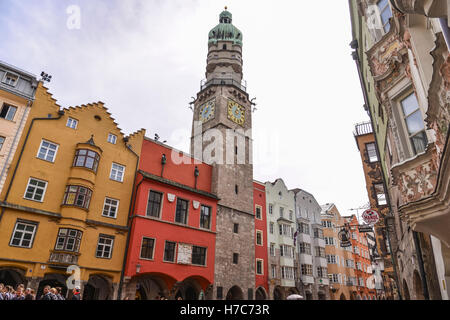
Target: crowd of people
[(20, 293)]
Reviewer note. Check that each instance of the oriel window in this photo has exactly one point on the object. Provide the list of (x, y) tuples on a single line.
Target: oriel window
[(86, 159), (77, 196), (68, 240), (414, 123)]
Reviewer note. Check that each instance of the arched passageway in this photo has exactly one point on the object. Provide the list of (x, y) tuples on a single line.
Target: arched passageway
[(98, 288), (12, 277), (260, 294), (53, 280), (342, 297), (235, 293)]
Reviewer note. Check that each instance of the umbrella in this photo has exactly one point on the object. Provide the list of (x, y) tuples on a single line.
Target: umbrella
[(294, 297)]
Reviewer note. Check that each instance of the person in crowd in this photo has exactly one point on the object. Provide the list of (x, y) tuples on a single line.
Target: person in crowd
[(28, 294), (47, 295), (59, 295), (76, 293), (19, 295)]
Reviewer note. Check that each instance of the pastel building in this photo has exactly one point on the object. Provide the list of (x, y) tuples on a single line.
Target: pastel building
[(310, 245), (281, 228)]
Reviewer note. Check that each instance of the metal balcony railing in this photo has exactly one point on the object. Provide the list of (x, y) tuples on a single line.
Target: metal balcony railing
[(226, 81), (363, 129)]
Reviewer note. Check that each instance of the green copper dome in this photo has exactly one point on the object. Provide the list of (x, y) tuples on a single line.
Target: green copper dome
[(225, 30)]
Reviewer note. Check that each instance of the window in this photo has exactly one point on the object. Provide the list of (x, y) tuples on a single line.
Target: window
[(147, 248), (356, 250), (385, 13), (112, 138), (307, 270), (181, 211), (349, 263), (358, 266), (287, 273), (258, 213), (169, 251), (154, 204), (86, 159), (105, 246), (329, 241), (322, 272), (371, 152), (318, 233), (199, 256), (272, 249), (117, 172), (271, 228), (414, 123), (259, 238), (2, 141), (35, 190), (205, 217), (381, 195), (47, 151), (331, 259), (235, 258), (361, 282), (23, 234), (259, 267), (290, 214), (274, 271), (8, 112), (68, 240), (110, 208), (320, 252), (286, 230), (303, 228), (281, 212), (236, 228), (72, 123), (270, 208), (305, 248), (10, 79), (77, 196), (286, 251)]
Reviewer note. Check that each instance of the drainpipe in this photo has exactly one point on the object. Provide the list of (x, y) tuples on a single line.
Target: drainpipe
[(355, 56), (129, 222), (421, 266), (60, 114)]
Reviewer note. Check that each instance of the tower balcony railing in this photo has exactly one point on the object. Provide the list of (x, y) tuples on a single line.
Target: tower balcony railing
[(223, 81)]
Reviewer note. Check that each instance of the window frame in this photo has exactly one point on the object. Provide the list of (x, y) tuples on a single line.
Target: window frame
[(404, 116), (260, 212), (34, 193), (150, 191), (259, 232), (186, 218), (204, 256), (114, 140), (8, 111), (117, 208), (77, 240), (33, 234), (202, 216), (96, 159), (13, 74), (261, 261), (368, 154), (105, 236), (174, 251), (72, 120), (87, 197), (47, 150), (381, 10), (2, 142), (153, 249), (112, 168)]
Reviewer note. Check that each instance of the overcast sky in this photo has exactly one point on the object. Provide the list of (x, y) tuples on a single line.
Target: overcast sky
[(145, 59)]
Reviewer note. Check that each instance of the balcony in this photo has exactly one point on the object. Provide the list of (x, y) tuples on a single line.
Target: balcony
[(362, 129), (64, 258), (226, 81)]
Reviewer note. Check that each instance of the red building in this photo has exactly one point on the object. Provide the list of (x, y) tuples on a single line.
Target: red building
[(172, 239), (363, 264), (261, 246)]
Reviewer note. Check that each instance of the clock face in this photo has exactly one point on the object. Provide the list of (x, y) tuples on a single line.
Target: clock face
[(207, 111), (236, 112)]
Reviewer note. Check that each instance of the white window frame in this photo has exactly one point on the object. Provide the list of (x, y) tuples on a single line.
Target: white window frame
[(104, 245), (260, 212), (33, 234), (13, 74), (262, 267), (72, 121), (47, 150), (34, 192), (109, 211), (112, 138), (262, 238), (115, 176)]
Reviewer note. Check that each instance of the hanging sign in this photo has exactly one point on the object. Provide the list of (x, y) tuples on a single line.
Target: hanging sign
[(365, 228), (344, 237), (370, 217)]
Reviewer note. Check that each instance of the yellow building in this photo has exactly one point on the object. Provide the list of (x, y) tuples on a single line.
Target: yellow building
[(341, 264), (66, 200)]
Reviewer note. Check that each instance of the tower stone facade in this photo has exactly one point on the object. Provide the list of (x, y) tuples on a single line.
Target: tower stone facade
[(221, 136)]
